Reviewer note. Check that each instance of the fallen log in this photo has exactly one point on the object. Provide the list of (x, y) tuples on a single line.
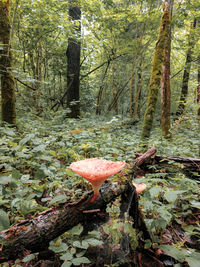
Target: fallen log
[(35, 234), (187, 162)]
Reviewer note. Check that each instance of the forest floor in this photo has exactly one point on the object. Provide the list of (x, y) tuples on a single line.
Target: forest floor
[(34, 165)]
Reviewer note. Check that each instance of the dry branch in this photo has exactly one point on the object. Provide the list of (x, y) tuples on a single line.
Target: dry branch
[(36, 233)]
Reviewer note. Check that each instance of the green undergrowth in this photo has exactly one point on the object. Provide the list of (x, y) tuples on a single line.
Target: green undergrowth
[(35, 156)]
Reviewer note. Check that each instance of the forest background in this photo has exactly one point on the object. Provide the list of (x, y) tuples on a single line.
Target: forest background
[(97, 79)]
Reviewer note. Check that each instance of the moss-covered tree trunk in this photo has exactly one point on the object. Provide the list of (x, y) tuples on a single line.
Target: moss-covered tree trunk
[(156, 74), (8, 105), (198, 87), (186, 74), (165, 81), (73, 61)]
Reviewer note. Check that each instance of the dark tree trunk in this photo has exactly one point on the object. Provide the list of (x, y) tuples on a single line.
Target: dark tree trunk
[(73, 61), (186, 74), (7, 78)]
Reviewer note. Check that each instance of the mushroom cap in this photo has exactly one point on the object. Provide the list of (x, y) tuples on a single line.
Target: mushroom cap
[(96, 170)]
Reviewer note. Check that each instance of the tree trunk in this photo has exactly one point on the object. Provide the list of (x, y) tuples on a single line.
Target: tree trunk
[(198, 87), (7, 78), (186, 74), (155, 78), (165, 81), (114, 69), (138, 89), (73, 61), (100, 93)]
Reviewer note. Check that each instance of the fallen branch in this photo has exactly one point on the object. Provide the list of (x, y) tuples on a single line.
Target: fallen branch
[(36, 233), (187, 162)]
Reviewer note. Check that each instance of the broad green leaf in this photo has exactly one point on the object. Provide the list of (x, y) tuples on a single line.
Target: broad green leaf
[(66, 257), (174, 252), (76, 230), (67, 264), (192, 261), (26, 139), (5, 179), (171, 196), (70, 173), (195, 204), (154, 191), (29, 258), (93, 241), (4, 220), (59, 199), (81, 260)]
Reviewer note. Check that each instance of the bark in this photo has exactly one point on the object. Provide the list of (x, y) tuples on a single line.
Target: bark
[(186, 74), (35, 234), (155, 78), (73, 61), (8, 104), (165, 81)]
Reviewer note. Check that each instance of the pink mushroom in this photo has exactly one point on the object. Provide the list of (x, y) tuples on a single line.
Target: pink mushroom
[(96, 171)]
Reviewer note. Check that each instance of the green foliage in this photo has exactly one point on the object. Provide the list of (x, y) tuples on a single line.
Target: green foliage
[(74, 247), (168, 199), (189, 255), (34, 165)]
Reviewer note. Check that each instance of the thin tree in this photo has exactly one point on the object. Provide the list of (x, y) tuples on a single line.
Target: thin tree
[(165, 80), (8, 104), (73, 61), (156, 74), (186, 74)]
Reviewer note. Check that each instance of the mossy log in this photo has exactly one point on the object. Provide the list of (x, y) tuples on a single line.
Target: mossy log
[(35, 234), (187, 162)]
